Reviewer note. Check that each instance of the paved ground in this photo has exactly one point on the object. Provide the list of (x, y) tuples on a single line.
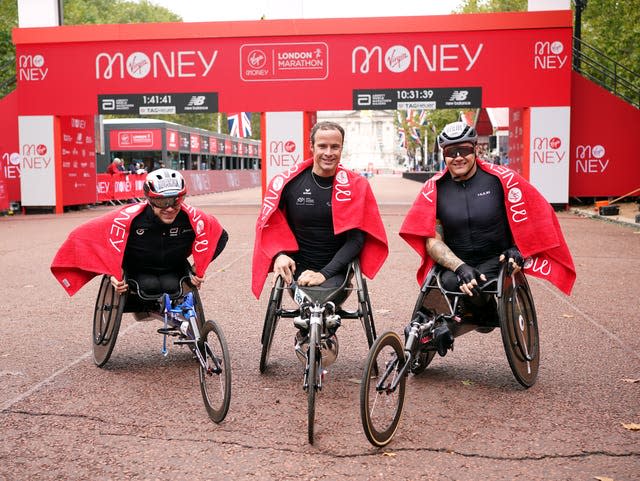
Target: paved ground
[(466, 418)]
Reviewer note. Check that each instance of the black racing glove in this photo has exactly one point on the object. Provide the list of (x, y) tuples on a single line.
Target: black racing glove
[(513, 253), (466, 274)]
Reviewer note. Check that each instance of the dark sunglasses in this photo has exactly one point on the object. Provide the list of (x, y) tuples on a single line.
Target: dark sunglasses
[(166, 203), (458, 151)]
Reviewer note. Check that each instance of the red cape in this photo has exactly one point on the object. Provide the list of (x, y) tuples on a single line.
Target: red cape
[(354, 207), (97, 247), (532, 220)]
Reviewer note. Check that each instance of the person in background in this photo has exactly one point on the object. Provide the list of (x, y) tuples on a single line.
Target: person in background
[(115, 167)]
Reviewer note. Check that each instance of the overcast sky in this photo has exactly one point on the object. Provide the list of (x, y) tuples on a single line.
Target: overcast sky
[(221, 10)]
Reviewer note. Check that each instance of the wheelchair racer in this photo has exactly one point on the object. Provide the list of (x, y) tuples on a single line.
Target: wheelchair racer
[(474, 216), (150, 241), (316, 218)]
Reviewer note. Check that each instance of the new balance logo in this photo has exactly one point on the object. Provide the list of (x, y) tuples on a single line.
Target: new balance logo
[(196, 100), (459, 96)]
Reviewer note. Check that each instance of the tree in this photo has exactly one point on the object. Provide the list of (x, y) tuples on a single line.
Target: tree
[(609, 26)]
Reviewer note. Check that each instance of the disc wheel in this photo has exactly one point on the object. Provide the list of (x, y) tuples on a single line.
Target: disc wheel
[(270, 322), (215, 378), (519, 329), (381, 407), (107, 316)]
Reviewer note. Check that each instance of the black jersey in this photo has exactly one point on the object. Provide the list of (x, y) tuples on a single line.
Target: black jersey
[(154, 247), (306, 199), (473, 217)]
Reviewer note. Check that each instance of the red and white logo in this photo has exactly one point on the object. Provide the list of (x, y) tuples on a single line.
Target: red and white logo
[(139, 65), (548, 150), (548, 55), (31, 68), (590, 159), (284, 61), (289, 146), (398, 58)]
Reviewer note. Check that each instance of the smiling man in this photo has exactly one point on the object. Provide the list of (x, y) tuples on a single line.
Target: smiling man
[(463, 221), (326, 216)]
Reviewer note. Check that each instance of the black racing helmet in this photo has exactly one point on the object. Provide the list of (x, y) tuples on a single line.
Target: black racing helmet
[(456, 133)]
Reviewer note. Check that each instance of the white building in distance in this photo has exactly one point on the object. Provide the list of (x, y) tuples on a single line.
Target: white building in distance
[(371, 141)]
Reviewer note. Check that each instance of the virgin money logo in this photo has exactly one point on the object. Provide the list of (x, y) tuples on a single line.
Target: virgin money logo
[(591, 159), (548, 150), (514, 195), (555, 143), (171, 64), (31, 68), (548, 55), (256, 59), (398, 58), (41, 149), (450, 57), (289, 146)]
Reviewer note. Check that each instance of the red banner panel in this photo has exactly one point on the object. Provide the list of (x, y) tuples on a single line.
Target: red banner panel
[(78, 160), (600, 160), (502, 60), (139, 139), (173, 142), (213, 145), (9, 156)]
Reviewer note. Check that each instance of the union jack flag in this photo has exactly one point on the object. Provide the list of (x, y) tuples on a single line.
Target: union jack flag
[(239, 124), (402, 137)]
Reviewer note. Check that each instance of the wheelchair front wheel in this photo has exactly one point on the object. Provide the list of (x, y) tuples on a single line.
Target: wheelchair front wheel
[(107, 316), (270, 322), (380, 405), (313, 378), (215, 378), (519, 329), (422, 361)]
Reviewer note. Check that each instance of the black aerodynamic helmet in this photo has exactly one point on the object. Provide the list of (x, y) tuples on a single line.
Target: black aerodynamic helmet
[(164, 183), (455, 133)]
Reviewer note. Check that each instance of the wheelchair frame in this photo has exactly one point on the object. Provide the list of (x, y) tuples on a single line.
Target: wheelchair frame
[(317, 305), (207, 342), (382, 396)]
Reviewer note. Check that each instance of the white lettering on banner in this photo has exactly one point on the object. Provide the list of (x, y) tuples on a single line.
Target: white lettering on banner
[(547, 55), (122, 186), (272, 196), (180, 64), (444, 58), (589, 159), (102, 187), (11, 165), (31, 68)]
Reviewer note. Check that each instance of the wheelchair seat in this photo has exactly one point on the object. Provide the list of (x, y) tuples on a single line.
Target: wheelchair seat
[(322, 295)]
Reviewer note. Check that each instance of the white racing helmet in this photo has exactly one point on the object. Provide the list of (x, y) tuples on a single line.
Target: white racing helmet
[(455, 133), (164, 183)]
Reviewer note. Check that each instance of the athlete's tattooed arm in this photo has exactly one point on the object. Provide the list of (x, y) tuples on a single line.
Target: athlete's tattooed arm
[(440, 252)]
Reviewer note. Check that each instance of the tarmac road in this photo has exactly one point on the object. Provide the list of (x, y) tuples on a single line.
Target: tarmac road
[(465, 418)]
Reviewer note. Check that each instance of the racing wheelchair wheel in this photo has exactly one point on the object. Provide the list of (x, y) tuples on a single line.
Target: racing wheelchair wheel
[(422, 362), (215, 379), (381, 406), (364, 305), (519, 328), (106, 321), (270, 322)]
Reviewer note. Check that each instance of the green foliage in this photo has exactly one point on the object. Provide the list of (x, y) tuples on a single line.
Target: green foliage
[(77, 12), (485, 6)]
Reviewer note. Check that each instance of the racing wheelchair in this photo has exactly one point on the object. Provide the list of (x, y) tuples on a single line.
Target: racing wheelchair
[(183, 318), (438, 317), (317, 313)]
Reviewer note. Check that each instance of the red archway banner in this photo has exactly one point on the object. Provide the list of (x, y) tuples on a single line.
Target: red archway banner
[(457, 61)]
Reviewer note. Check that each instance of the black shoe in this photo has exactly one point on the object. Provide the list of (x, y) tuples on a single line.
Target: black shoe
[(443, 338)]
